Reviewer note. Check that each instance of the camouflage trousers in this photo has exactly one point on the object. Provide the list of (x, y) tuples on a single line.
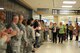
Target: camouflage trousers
[(15, 49), (2, 51), (28, 49)]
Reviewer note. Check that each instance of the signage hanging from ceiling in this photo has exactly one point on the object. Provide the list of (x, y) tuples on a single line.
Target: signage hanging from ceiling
[(65, 12)]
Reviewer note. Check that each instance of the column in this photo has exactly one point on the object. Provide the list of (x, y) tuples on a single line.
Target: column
[(56, 19), (40, 17)]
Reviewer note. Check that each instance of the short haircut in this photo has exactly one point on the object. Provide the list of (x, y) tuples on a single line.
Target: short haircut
[(20, 16), (2, 13), (29, 21), (24, 22), (35, 24), (14, 16)]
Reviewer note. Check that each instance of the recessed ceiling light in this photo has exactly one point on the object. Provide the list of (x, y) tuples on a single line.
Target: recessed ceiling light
[(69, 2), (65, 6)]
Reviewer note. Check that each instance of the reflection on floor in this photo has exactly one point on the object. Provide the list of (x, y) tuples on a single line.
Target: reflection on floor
[(66, 47)]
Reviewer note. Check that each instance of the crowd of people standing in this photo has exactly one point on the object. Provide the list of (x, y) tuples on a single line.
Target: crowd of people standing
[(20, 35), (64, 32), (24, 35)]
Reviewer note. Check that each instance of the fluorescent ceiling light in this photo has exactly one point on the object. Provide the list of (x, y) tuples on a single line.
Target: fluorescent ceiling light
[(69, 2), (67, 6), (1, 8)]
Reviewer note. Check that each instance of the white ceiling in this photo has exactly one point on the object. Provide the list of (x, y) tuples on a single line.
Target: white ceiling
[(40, 3), (51, 4)]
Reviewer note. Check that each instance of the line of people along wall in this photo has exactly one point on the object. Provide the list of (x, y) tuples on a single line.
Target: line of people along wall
[(20, 35)]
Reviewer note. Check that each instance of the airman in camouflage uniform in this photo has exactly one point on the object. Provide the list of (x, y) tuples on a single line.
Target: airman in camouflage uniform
[(3, 38), (29, 32), (3, 35), (24, 39), (16, 40)]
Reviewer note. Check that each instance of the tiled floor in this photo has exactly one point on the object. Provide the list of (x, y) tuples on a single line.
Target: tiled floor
[(66, 47)]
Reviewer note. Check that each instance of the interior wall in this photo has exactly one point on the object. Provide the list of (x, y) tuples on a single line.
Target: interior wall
[(56, 19), (48, 19), (12, 6), (66, 19), (35, 15), (63, 18)]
